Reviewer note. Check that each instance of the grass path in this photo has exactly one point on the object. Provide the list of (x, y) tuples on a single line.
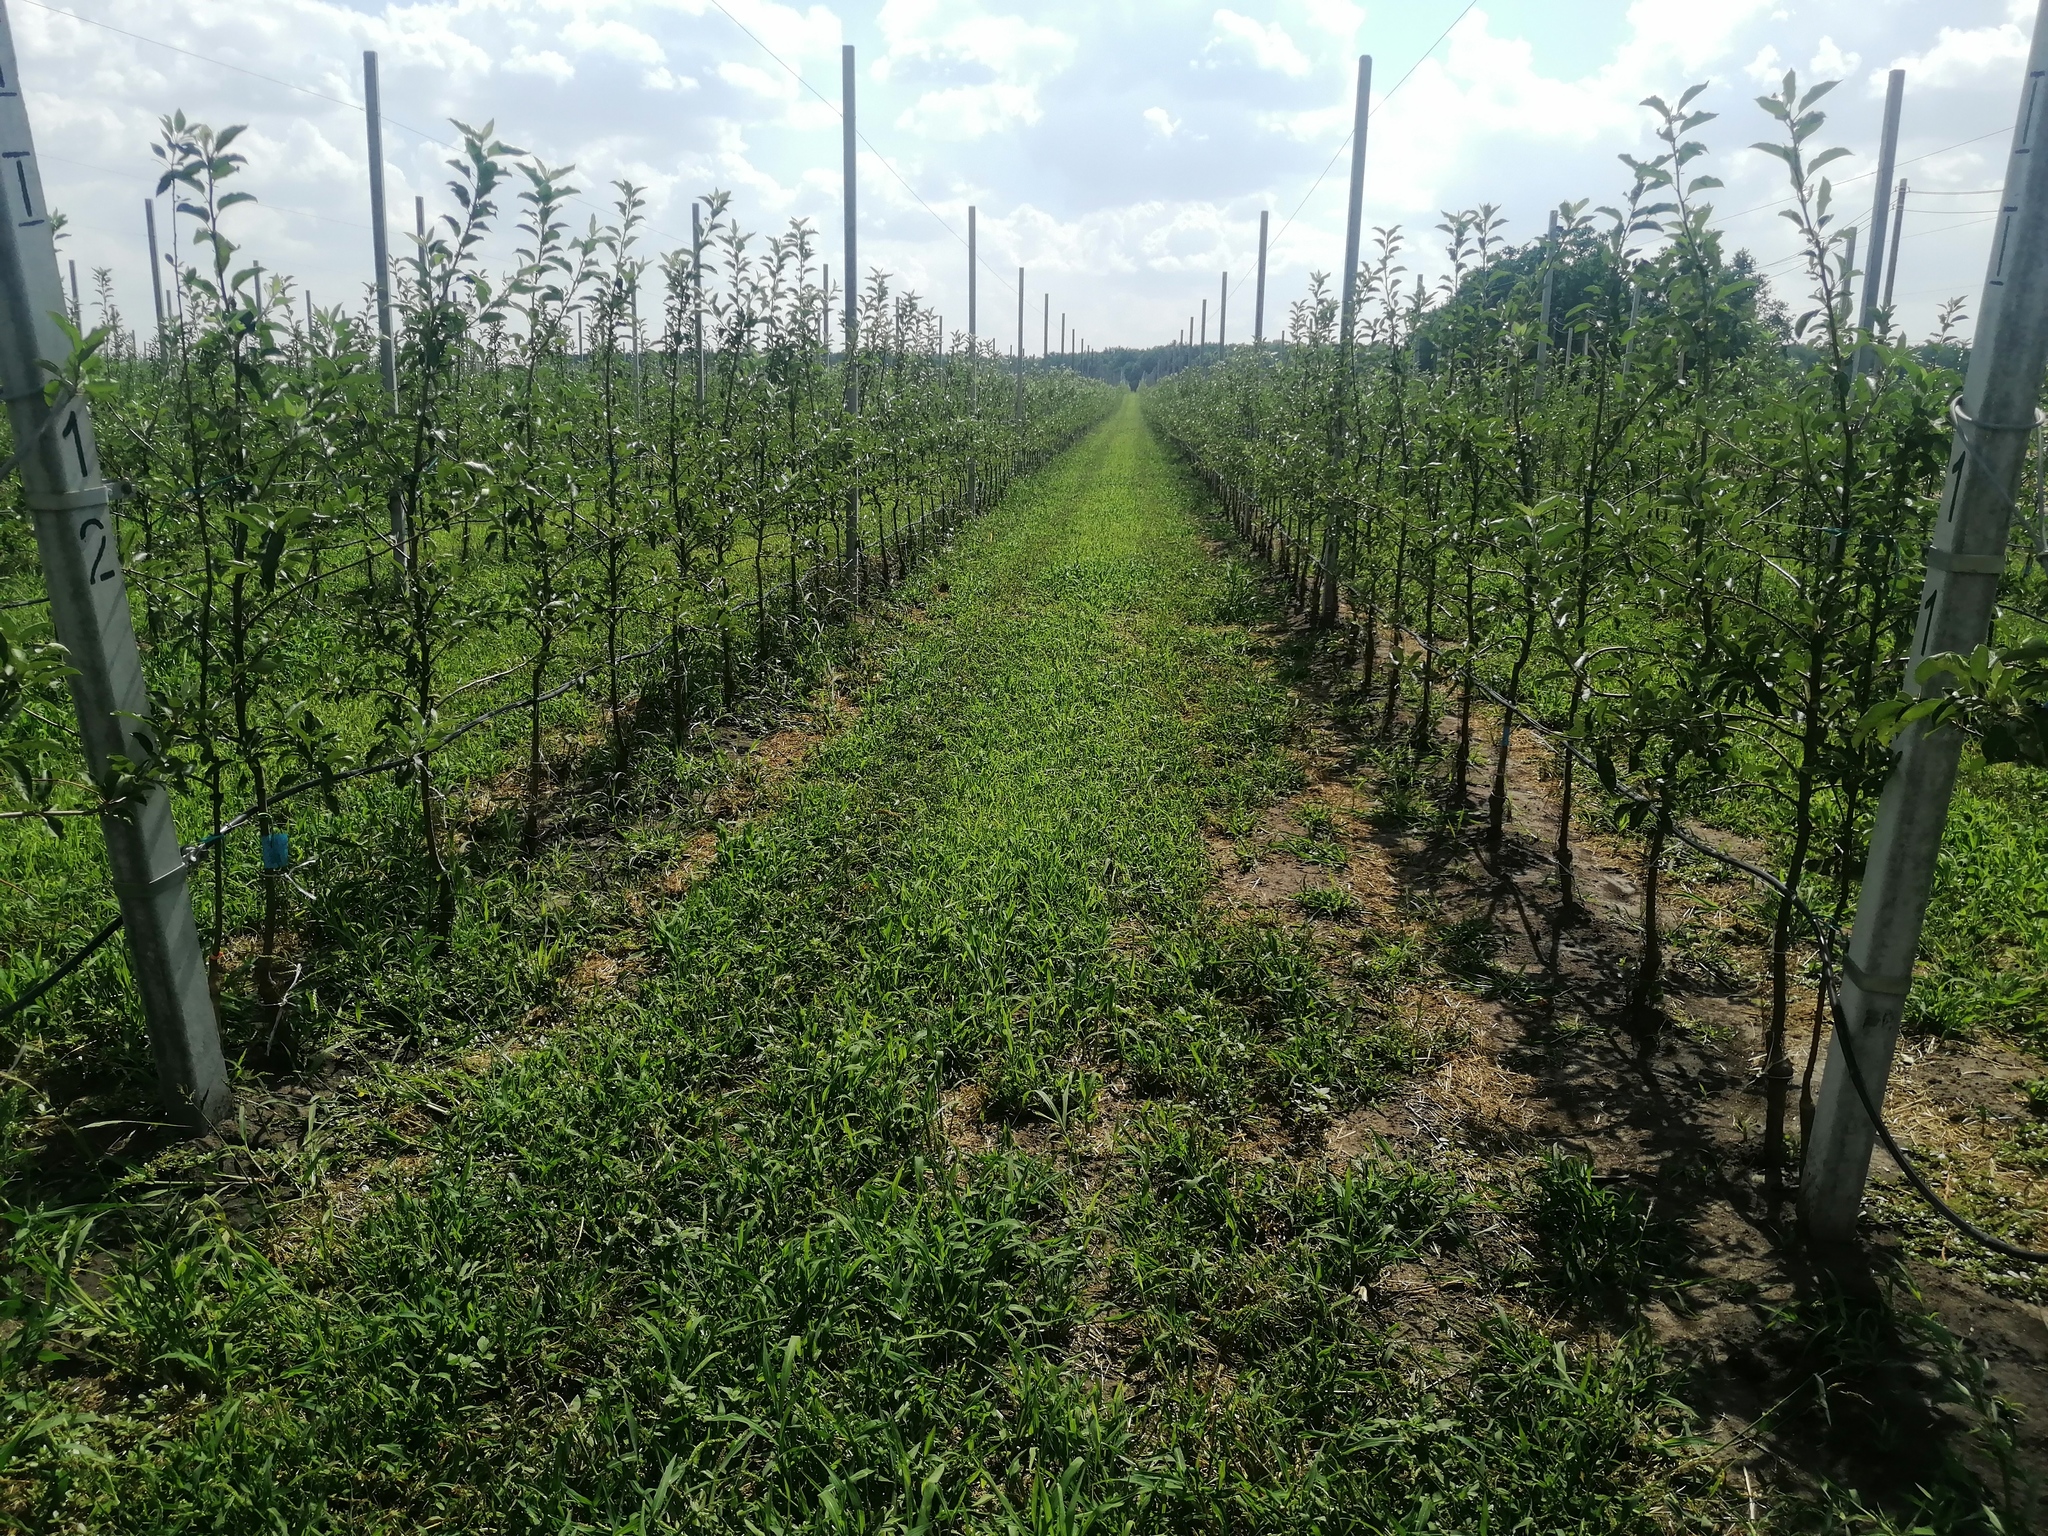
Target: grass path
[(959, 1167)]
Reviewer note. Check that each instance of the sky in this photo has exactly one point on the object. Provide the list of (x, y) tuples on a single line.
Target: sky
[(1120, 152)]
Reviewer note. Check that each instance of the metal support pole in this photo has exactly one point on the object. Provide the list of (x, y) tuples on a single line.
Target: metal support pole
[(380, 249), (1355, 209), (156, 265), (1891, 262), (1223, 313), (973, 356), (1324, 613), (79, 545), (1549, 294), (380, 241), (1020, 347), (1880, 210), (1045, 330), (1849, 265), (825, 311), (697, 291), (1259, 300), (1994, 421), (849, 306), (1204, 342), (77, 308)]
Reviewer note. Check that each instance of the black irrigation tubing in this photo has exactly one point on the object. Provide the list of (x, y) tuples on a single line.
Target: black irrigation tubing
[(78, 958), (1825, 939), (193, 852)]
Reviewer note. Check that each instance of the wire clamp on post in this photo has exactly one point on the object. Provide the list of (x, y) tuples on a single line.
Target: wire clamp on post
[(87, 500), (1880, 986), (1957, 564), (143, 889), (1968, 424)]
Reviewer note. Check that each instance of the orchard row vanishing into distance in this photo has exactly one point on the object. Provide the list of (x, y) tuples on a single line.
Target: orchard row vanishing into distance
[(339, 526)]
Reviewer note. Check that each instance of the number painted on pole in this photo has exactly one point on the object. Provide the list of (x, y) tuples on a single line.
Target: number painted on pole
[(99, 555), (77, 440), (20, 159)]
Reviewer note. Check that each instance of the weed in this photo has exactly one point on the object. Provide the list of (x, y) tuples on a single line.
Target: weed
[(1318, 821), (1598, 1242), (1327, 901)]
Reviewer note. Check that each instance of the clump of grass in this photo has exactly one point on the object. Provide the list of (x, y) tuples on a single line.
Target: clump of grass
[(1378, 1211), (1401, 800), (1020, 1085), (1330, 901), (1386, 960), (1598, 1243)]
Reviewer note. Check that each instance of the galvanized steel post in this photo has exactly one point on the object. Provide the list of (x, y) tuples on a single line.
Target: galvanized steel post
[(78, 541), (1994, 421)]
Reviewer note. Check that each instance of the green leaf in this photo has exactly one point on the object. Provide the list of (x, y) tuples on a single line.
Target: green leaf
[(1813, 95)]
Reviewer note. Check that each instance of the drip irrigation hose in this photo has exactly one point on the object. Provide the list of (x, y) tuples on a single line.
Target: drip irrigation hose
[(1825, 940), (78, 958)]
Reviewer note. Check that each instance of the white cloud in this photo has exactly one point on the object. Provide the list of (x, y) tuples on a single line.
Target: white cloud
[(1067, 107), (1681, 35), (1270, 46), (1767, 68), (1829, 62), (997, 64), (762, 82), (1340, 18), (1961, 56), (614, 38), (972, 111), (547, 63)]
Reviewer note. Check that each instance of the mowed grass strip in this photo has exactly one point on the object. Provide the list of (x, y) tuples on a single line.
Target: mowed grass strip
[(712, 1261)]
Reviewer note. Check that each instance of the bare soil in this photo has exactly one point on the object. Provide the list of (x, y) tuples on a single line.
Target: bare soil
[(1806, 1366)]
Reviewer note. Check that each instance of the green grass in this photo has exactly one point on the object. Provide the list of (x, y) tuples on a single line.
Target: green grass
[(716, 1255)]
